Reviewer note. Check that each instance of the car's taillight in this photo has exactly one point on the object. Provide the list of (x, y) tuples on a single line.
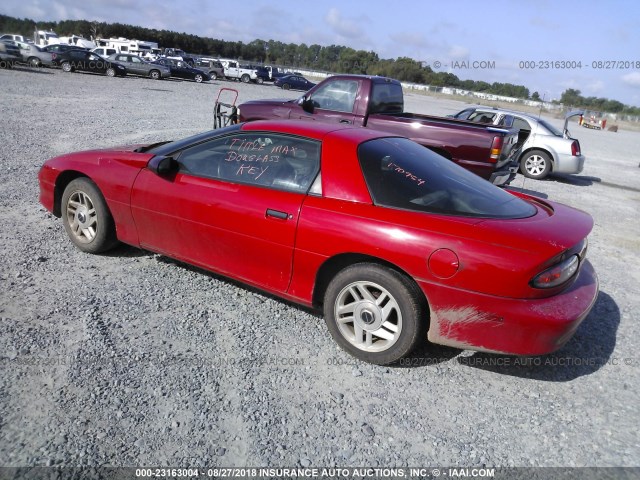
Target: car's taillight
[(575, 148), (496, 149), (558, 274)]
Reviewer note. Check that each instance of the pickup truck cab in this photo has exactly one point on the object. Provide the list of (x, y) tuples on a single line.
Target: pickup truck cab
[(378, 103)]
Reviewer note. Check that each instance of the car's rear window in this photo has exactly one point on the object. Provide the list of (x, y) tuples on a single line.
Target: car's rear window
[(550, 127), (402, 174), (386, 98)]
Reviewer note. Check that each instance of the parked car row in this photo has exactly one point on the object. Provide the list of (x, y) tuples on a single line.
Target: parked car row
[(70, 59), (109, 62)]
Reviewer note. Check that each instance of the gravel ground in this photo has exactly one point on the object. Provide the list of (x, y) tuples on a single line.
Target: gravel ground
[(133, 359)]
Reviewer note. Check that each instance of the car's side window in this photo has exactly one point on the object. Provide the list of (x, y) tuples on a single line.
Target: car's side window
[(338, 95), (481, 117), (262, 159), (520, 124)]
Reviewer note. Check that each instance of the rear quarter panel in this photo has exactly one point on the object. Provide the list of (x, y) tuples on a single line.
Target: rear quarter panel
[(496, 257)]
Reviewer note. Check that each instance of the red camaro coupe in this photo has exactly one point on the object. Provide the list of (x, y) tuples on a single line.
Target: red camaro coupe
[(390, 239)]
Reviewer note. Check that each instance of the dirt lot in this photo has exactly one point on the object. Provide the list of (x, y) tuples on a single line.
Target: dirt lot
[(133, 359)]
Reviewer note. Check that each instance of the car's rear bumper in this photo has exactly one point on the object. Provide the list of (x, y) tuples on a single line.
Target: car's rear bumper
[(475, 321), (569, 164)]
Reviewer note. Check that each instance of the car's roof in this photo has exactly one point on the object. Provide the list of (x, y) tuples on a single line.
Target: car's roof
[(313, 130), (503, 110)]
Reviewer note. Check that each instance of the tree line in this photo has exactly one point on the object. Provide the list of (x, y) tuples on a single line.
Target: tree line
[(332, 58), (574, 98)]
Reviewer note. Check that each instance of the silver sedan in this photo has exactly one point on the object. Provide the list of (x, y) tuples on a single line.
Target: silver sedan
[(34, 55), (545, 149), (137, 66)]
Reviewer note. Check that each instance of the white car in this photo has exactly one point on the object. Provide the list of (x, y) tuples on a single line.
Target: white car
[(104, 51), (545, 149)]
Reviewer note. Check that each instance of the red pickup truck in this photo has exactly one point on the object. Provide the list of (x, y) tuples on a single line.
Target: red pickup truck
[(378, 103)]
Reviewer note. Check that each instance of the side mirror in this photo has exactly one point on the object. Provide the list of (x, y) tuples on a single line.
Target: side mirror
[(163, 166), (306, 104)]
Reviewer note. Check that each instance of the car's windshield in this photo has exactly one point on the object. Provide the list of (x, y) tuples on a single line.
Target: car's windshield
[(168, 148), (402, 174)]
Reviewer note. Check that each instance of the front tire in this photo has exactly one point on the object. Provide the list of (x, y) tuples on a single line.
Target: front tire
[(213, 75), (260, 80), (111, 72), (198, 78), (34, 62), (535, 164), (245, 78), (154, 74), (375, 313), (66, 67), (87, 218), (286, 86)]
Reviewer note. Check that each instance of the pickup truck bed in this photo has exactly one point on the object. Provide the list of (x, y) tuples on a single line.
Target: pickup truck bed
[(378, 103), (460, 137)]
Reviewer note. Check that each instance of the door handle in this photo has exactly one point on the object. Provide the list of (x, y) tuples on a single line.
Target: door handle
[(277, 214), (345, 121)]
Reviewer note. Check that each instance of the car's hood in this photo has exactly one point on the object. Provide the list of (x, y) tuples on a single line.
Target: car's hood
[(271, 101), (277, 107), (121, 148), (103, 158)]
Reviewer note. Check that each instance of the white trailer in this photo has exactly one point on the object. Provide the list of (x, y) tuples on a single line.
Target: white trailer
[(78, 41), (141, 48)]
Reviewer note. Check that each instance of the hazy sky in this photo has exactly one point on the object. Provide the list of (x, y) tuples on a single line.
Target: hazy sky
[(599, 34)]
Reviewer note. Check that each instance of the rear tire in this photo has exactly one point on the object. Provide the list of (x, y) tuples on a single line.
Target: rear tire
[(154, 74), (375, 313), (87, 218), (245, 78), (34, 62), (260, 80), (535, 164), (111, 72), (66, 67), (198, 78), (286, 86), (213, 75)]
